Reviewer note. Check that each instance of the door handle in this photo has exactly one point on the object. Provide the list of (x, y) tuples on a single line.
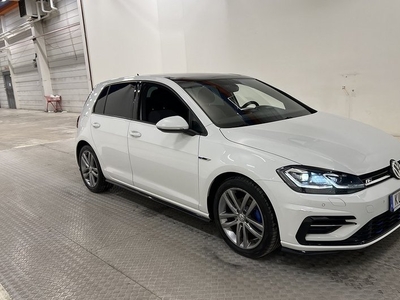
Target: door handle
[(96, 125), (135, 133)]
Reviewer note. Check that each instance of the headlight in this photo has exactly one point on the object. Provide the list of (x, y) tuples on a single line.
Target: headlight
[(319, 181)]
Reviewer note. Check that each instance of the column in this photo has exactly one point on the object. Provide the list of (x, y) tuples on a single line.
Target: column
[(42, 63)]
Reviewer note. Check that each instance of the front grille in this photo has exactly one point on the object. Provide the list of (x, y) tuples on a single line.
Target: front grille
[(376, 176), (374, 229)]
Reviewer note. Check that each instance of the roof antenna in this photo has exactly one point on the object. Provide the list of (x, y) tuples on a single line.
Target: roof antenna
[(137, 74)]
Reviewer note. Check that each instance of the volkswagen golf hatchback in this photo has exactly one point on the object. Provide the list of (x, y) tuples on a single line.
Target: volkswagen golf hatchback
[(269, 170)]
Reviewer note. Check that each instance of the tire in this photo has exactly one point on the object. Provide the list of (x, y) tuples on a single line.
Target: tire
[(91, 172), (245, 218)]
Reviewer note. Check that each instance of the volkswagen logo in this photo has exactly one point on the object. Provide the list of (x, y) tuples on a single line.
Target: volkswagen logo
[(395, 168)]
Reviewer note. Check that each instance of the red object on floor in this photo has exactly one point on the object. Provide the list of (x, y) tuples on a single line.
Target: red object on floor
[(55, 101)]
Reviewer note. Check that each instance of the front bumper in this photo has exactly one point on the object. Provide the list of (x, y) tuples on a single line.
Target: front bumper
[(309, 222)]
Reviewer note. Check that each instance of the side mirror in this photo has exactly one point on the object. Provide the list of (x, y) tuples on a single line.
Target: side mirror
[(172, 124)]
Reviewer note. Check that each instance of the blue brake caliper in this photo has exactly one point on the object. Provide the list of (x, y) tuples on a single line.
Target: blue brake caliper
[(256, 214)]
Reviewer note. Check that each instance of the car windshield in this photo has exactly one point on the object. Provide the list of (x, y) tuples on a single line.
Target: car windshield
[(235, 102)]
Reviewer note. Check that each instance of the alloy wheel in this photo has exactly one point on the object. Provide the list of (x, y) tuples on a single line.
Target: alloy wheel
[(89, 168), (241, 218)]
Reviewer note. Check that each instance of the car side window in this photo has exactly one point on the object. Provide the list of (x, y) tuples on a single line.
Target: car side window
[(119, 102), (158, 102), (101, 102)]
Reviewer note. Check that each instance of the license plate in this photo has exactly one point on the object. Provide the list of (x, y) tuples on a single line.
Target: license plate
[(394, 201)]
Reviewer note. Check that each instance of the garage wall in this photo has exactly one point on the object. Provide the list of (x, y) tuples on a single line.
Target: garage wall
[(3, 65), (337, 56), (123, 37), (65, 55), (63, 43), (5, 55), (27, 82)]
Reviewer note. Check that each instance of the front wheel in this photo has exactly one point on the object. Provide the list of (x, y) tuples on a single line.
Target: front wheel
[(91, 172), (245, 218)]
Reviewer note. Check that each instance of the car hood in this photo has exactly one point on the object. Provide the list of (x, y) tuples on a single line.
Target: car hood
[(321, 140)]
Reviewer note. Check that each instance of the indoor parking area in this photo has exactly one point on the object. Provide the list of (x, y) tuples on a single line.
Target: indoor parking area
[(260, 160)]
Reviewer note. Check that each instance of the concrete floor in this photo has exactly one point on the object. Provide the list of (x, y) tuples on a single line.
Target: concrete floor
[(60, 241)]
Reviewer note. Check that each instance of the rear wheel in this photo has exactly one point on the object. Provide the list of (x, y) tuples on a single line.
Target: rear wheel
[(245, 218), (91, 171)]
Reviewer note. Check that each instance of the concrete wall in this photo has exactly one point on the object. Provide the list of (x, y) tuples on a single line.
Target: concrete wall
[(338, 56)]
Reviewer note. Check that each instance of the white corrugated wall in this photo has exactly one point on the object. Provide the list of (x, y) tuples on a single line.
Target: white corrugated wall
[(27, 81), (65, 55), (64, 47)]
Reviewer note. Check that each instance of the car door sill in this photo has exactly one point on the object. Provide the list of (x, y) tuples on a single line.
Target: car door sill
[(161, 201)]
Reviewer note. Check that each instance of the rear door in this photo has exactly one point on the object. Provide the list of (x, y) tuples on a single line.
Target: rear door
[(109, 126)]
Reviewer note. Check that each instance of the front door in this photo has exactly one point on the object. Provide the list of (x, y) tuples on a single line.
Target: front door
[(163, 164), (9, 90)]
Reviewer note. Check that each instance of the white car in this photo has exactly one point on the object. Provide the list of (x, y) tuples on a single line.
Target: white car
[(268, 169)]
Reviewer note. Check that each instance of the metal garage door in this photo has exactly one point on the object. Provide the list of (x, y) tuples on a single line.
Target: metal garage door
[(9, 90)]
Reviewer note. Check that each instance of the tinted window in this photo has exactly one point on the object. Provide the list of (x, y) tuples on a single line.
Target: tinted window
[(119, 101), (101, 101), (233, 102), (159, 102)]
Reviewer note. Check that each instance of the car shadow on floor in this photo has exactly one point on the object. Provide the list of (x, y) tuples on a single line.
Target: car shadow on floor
[(153, 208)]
